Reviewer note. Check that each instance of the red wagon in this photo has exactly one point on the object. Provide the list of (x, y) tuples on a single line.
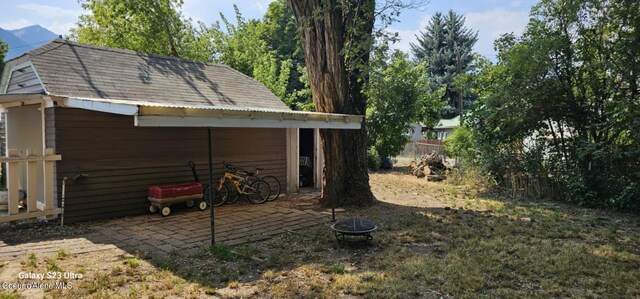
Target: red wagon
[(162, 197)]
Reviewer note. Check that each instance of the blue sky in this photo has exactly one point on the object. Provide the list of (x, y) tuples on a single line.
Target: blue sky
[(489, 17)]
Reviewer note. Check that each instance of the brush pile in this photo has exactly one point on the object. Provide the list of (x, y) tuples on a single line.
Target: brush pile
[(431, 167)]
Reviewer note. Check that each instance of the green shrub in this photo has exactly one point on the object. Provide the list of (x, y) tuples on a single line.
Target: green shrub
[(373, 159), (460, 144)]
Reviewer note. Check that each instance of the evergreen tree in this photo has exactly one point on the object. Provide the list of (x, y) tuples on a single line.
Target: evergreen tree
[(446, 46)]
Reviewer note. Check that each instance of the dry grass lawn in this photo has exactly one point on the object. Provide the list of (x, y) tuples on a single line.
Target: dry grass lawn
[(434, 240)]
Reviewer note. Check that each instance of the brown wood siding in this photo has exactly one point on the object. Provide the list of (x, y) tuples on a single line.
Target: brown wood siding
[(122, 160), (24, 80)]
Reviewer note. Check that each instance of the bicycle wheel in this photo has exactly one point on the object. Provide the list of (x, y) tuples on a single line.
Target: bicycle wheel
[(274, 184), (258, 192), (233, 193), (219, 198)]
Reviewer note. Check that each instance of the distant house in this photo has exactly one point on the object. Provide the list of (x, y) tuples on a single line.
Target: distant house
[(126, 121), (445, 127)]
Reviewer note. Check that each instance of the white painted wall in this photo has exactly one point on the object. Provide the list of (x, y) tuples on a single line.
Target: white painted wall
[(293, 153), (443, 134), (318, 166), (25, 133), (415, 132)]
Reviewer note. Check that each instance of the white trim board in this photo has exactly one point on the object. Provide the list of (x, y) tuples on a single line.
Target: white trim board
[(151, 116), (175, 121), (122, 109)]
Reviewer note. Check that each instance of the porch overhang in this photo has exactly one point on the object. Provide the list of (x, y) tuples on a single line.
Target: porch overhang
[(21, 99), (242, 118), (150, 114)]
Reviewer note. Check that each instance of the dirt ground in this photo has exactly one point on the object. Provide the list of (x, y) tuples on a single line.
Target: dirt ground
[(398, 188)]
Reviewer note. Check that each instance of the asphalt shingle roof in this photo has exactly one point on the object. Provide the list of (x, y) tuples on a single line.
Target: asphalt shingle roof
[(448, 123), (75, 70)]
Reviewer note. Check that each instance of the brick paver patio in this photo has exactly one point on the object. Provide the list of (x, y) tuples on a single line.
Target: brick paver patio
[(182, 230)]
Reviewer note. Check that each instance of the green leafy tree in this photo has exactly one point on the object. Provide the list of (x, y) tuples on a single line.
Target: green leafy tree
[(238, 45), (460, 144), (397, 98), (562, 101), (150, 26), (275, 77), (446, 46), (278, 29), (266, 50), (3, 53)]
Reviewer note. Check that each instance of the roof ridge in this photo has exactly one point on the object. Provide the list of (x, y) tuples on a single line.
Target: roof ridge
[(39, 51)]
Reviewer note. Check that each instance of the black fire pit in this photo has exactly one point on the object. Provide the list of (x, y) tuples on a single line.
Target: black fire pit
[(353, 227)]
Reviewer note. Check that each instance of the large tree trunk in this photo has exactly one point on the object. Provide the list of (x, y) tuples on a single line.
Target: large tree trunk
[(336, 37)]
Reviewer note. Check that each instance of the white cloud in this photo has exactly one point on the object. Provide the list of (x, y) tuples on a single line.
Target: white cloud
[(50, 12), (515, 3), (261, 5), (60, 27), (208, 11), (491, 24), (17, 24), (197, 9), (407, 37), (56, 19)]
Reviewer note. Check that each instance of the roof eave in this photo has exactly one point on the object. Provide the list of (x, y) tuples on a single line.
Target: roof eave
[(100, 106), (149, 115), (194, 117), (21, 99)]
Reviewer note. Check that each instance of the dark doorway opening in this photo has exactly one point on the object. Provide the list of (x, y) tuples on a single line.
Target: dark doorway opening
[(306, 147)]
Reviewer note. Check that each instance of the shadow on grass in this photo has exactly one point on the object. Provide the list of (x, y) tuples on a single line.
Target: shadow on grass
[(508, 250)]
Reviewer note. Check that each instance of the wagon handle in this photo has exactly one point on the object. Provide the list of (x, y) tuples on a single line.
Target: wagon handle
[(193, 170)]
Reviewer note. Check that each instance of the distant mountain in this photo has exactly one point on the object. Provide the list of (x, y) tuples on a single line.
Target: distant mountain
[(34, 34), (24, 39), (14, 42)]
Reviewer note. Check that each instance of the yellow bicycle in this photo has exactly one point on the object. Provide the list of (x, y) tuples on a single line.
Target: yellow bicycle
[(256, 190)]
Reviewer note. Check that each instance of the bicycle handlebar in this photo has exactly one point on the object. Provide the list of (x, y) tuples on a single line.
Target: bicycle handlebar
[(230, 168)]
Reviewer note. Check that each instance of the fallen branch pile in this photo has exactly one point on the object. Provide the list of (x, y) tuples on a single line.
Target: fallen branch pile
[(431, 167)]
